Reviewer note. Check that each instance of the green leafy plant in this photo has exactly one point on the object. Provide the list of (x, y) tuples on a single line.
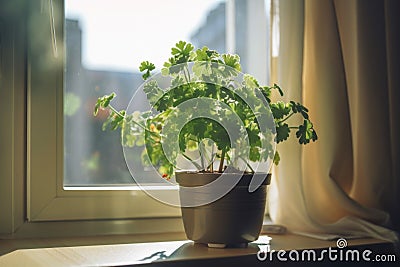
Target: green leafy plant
[(212, 76)]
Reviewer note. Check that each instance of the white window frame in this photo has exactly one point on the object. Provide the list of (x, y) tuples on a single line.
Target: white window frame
[(51, 209), (12, 113)]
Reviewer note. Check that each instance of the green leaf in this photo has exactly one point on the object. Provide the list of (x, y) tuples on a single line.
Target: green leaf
[(282, 132), (250, 81), (181, 51), (275, 86), (213, 55), (266, 91), (280, 109), (103, 102), (154, 93), (306, 133), (147, 67), (277, 158), (202, 68), (201, 54), (232, 61), (96, 108), (299, 108), (254, 154)]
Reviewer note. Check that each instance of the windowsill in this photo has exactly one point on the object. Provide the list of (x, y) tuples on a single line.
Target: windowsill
[(133, 249)]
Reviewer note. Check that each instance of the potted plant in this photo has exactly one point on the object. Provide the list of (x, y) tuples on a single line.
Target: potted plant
[(204, 111)]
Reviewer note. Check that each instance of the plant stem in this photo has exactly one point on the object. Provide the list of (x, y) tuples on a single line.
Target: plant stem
[(199, 168), (186, 74), (248, 165), (210, 167), (212, 159), (221, 162), (188, 80), (200, 145), (290, 115), (116, 111), (135, 122)]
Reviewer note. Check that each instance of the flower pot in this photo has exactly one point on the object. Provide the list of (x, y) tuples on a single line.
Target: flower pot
[(232, 220)]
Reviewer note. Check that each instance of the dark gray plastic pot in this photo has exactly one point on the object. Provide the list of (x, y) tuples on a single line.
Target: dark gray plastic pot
[(233, 220)]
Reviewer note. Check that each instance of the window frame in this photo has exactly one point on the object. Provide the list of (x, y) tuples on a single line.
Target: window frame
[(12, 118)]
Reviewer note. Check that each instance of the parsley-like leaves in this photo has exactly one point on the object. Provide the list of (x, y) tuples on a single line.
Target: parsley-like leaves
[(146, 67), (306, 133), (146, 129)]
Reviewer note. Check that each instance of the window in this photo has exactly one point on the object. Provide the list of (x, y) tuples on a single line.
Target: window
[(105, 44), (66, 182)]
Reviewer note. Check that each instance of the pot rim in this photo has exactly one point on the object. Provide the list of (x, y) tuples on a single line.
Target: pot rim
[(196, 178)]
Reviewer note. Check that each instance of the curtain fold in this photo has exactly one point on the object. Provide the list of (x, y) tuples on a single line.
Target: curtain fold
[(392, 20), (342, 64)]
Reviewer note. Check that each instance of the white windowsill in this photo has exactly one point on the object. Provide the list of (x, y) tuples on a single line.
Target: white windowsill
[(170, 252)]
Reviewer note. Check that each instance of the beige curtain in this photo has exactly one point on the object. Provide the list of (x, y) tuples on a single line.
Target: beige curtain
[(341, 59)]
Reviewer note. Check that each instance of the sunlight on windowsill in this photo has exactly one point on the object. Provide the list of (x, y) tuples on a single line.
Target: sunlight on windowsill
[(166, 252)]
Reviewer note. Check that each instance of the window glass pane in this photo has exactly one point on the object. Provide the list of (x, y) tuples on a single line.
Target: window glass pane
[(105, 43)]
